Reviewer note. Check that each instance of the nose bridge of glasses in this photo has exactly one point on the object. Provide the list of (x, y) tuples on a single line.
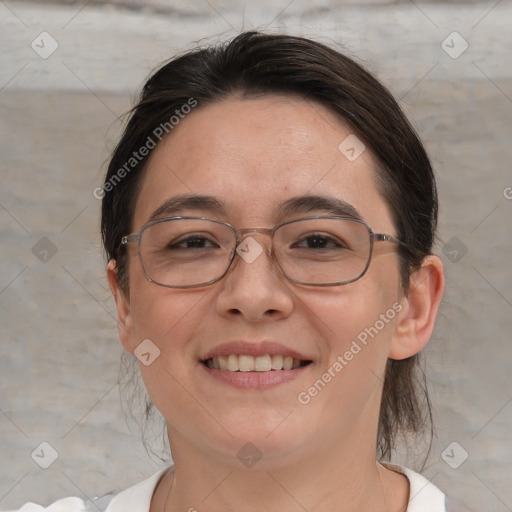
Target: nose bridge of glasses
[(243, 243), (243, 233)]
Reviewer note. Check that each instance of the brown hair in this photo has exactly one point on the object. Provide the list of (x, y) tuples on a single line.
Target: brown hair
[(253, 64)]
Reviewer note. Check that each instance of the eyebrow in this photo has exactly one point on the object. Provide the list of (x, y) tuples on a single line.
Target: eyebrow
[(293, 206), (314, 203), (176, 204)]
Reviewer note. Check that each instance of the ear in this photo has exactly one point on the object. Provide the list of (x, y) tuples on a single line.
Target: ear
[(124, 314), (417, 318)]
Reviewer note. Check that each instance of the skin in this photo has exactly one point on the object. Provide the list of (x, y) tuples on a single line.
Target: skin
[(253, 154)]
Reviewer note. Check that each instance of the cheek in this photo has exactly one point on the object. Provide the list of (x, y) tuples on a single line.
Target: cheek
[(166, 316), (344, 315), (157, 312), (357, 327), (169, 319)]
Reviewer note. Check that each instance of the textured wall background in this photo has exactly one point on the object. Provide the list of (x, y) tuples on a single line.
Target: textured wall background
[(59, 354)]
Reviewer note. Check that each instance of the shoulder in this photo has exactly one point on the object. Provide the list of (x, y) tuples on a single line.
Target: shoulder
[(64, 505), (136, 498), (69, 505), (424, 496)]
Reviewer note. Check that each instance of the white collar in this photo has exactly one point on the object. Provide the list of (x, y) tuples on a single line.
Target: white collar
[(422, 492), (137, 497)]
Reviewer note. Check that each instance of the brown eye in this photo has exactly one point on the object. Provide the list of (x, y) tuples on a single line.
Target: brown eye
[(319, 242), (193, 242)]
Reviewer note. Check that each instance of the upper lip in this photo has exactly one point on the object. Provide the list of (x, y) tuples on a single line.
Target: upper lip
[(252, 348)]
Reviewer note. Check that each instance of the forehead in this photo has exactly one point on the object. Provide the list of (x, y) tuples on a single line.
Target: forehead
[(254, 154)]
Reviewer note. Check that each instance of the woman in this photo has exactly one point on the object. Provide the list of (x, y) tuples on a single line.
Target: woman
[(268, 216)]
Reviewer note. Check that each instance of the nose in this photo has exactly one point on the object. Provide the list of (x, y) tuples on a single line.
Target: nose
[(255, 287)]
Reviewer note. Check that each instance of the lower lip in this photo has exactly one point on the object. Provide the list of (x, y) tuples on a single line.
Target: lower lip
[(255, 380)]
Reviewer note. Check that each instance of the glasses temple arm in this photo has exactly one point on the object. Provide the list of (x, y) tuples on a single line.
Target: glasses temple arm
[(382, 237)]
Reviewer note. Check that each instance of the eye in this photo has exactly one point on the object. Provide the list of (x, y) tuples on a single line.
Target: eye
[(320, 241), (193, 242)]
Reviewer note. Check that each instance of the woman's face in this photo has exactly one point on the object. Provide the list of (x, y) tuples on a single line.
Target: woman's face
[(253, 155)]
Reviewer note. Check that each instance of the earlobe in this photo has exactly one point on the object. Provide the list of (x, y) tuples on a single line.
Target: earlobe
[(124, 315), (417, 318)]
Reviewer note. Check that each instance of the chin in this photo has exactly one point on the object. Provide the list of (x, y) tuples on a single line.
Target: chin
[(261, 441)]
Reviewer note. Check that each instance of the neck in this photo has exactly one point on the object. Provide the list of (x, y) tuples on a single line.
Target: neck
[(346, 478)]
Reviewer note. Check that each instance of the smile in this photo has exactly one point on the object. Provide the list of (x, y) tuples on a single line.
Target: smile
[(249, 363)]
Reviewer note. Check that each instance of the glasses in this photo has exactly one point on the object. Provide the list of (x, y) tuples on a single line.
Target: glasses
[(188, 252)]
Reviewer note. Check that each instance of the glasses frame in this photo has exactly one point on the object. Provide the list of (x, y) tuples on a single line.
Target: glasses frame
[(239, 236)]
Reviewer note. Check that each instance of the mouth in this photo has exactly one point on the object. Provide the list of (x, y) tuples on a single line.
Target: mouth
[(249, 363), (254, 365)]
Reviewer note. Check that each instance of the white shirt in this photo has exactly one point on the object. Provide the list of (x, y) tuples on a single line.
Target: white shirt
[(423, 497)]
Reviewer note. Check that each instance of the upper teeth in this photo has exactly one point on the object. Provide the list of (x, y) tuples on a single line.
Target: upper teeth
[(245, 363)]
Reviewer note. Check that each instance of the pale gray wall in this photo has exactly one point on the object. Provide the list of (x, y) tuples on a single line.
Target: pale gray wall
[(59, 354)]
